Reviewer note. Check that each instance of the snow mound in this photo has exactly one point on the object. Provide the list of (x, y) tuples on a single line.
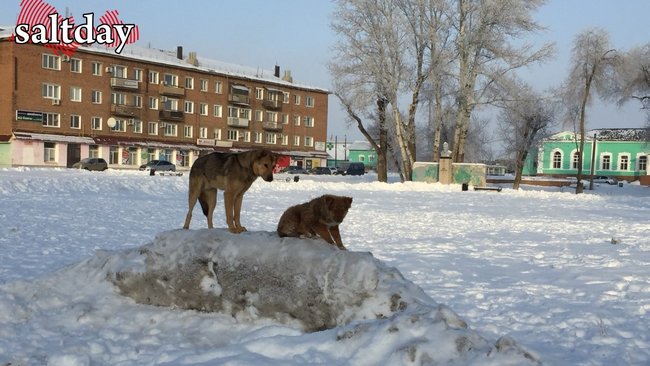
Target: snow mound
[(306, 284)]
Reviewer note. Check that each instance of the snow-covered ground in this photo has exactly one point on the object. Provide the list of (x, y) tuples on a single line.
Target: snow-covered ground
[(566, 276)]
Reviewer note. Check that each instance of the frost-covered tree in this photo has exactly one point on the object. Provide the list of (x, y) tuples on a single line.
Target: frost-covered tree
[(634, 79), (593, 71)]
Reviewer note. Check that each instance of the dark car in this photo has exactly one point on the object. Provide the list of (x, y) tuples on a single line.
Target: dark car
[(98, 164), (325, 170), (294, 169), (355, 169), (159, 166)]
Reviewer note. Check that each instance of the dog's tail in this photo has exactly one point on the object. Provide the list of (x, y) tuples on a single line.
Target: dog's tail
[(204, 203)]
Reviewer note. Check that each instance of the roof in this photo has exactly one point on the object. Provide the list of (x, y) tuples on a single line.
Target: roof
[(134, 52), (606, 134)]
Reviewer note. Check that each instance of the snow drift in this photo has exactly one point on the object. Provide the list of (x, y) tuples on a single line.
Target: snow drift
[(303, 283)]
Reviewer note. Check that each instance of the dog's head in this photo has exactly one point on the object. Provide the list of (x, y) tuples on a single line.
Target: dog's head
[(337, 207), (264, 163)]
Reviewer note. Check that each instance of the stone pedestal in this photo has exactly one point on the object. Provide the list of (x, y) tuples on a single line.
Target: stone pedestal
[(444, 174)]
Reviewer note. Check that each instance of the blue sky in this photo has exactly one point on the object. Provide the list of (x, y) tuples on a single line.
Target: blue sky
[(295, 34)]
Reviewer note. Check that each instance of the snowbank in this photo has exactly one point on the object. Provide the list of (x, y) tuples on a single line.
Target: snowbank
[(302, 283)]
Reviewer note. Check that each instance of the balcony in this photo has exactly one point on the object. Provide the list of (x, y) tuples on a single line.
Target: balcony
[(239, 98), (172, 91), (176, 116), (123, 83), (272, 126), (272, 104), (125, 110), (237, 122)]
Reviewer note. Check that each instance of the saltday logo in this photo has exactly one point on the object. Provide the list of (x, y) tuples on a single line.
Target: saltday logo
[(40, 23)]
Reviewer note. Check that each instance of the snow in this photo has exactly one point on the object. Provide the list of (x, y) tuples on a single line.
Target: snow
[(535, 273)]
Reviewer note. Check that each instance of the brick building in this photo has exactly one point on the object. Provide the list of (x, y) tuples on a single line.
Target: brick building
[(146, 104)]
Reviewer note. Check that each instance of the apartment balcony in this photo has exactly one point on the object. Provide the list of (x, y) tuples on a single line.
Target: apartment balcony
[(123, 83), (272, 104), (239, 98), (125, 110), (175, 116), (272, 126), (237, 122), (171, 91)]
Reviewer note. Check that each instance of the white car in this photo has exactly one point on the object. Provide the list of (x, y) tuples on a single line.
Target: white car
[(605, 179)]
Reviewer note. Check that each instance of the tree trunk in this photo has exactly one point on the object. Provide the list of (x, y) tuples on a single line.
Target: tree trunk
[(382, 161), (438, 123)]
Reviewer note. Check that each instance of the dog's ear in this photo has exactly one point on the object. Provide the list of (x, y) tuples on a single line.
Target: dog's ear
[(348, 201)]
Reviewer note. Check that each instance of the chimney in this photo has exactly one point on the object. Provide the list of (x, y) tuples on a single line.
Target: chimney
[(287, 76), (179, 52), (277, 71), (191, 59)]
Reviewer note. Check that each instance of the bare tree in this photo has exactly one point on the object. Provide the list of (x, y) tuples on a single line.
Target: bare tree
[(634, 74), (593, 68), (484, 34), (524, 118)]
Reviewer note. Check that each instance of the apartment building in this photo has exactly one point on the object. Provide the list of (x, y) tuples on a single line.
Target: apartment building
[(146, 104)]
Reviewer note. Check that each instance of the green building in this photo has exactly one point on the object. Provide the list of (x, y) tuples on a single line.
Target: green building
[(619, 152)]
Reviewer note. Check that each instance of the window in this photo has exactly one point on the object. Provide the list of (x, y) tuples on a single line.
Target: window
[(285, 140), (133, 156), (51, 62), (259, 115), (120, 125), (93, 151), (114, 155), (308, 121), (189, 107), (233, 135), (51, 120), (296, 141), (75, 121), (271, 138), (557, 160), (643, 162), (49, 152), (217, 87), (51, 91), (574, 161), (296, 120), (96, 68), (167, 154), (171, 129), (119, 71), (272, 116), (137, 126), (150, 155), (217, 110), (96, 123), (137, 74), (259, 93), (309, 141), (258, 137), (75, 94), (75, 65), (285, 97), (624, 162), (118, 98), (216, 134), (154, 77), (362, 158), (137, 101), (152, 129), (171, 80), (309, 102), (189, 82), (296, 99), (187, 131), (204, 85), (153, 103), (96, 97), (247, 136), (203, 109), (203, 132), (285, 119), (605, 162)]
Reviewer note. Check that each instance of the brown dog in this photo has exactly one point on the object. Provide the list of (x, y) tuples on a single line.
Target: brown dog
[(233, 173), (320, 216)]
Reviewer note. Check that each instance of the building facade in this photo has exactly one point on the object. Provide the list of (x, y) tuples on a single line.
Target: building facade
[(146, 104), (619, 153)]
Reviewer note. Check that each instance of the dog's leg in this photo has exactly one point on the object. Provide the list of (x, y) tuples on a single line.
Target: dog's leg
[(209, 198), (192, 198), (229, 203), (322, 231), (336, 235), (239, 197)]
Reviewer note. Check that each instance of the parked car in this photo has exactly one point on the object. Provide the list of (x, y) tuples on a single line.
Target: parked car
[(294, 169), (159, 166), (355, 169), (98, 164), (605, 179), (321, 170)]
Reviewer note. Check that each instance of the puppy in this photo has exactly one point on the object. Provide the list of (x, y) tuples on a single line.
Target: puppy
[(320, 216)]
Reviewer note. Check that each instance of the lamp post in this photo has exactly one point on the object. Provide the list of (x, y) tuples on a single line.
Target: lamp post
[(593, 160)]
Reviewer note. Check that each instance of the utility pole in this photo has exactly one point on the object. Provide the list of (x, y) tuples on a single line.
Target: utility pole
[(593, 160)]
